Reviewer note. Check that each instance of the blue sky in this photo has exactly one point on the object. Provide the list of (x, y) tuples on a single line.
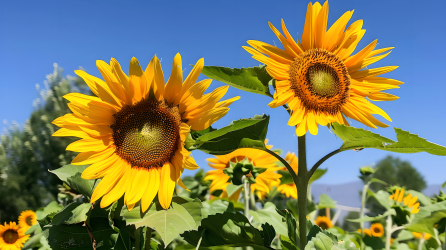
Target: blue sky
[(36, 34)]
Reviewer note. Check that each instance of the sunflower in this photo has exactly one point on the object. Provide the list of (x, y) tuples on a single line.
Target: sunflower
[(408, 200), (320, 79), (377, 229), (133, 133), (12, 237), (289, 189), (426, 236), (323, 222), (264, 181), (27, 219)]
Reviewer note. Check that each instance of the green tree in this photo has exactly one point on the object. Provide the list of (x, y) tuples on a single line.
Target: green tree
[(27, 154)]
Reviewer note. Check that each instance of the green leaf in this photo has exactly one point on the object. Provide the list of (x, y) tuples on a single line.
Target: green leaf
[(325, 201), (317, 174), (269, 215), (346, 244), (71, 174), (320, 242), (268, 234), (374, 242), (227, 229), (427, 217), (286, 177), (52, 207), (183, 215), (254, 80), (287, 244), (423, 199), (374, 180), (382, 197), (75, 212), (231, 189), (355, 138), (244, 133), (216, 207), (376, 218)]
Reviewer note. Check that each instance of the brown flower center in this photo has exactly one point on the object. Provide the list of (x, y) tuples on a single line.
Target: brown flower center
[(320, 80), (323, 225), (29, 220), (146, 134), (10, 236)]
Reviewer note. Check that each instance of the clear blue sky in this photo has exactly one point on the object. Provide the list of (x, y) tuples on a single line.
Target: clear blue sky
[(36, 34)]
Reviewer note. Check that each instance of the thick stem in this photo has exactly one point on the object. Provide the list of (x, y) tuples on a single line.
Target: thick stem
[(313, 169), (444, 247), (361, 215), (388, 231), (302, 185), (253, 202)]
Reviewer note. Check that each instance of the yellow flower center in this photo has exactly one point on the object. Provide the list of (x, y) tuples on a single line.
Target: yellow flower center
[(10, 236), (320, 80), (29, 220), (146, 134)]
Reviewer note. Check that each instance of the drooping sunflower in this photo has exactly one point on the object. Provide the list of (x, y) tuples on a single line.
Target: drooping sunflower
[(133, 132), (290, 189), (27, 219), (377, 229), (323, 222), (12, 237), (320, 79), (264, 181), (409, 201)]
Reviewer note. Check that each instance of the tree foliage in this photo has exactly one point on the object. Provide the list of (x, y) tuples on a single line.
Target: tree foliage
[(26, 154)]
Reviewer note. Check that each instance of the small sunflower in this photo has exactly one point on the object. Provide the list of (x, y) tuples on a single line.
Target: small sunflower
[(133, 133), (12, 237), (367, 231), (426, 236), (27, 219), (289, 189), (320, 79), (264, 181), (377, 230), (409, 201), (323, 222)]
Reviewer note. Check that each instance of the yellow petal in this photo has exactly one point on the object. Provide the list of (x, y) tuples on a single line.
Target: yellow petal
[(307, 34), (190, 80), (190, 163), (86, 145), (140, 183), (137, 80), (158, 79), (99, 169), (209, 118), (111, 80), (167, 185), (336, 30), (93, 157), (122, 78), (320, 26), (152, 189), (174, 84)]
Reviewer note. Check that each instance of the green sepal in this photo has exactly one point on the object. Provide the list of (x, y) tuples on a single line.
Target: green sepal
[(237, 170)]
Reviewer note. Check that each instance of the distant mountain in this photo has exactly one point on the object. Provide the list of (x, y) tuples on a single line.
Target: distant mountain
[(348, 194)]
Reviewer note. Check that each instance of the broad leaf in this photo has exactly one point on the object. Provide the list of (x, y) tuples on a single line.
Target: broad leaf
[(75, 212), (320, 242), (374, 242), (317, 174), (325, 201), (269, 215), (382, 197), (183, 215), (427, 217), (287, 244), (268, 234), (71, 174), (376, 218), (52, 207), (227, 229), (254, 80), (355, 138), (216, 207), (244, 133)]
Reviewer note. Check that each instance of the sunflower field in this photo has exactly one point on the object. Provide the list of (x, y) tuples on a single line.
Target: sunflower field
[(126, 186)]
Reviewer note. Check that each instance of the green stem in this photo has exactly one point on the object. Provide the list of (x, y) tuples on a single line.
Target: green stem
[(246, 196), (253, 202), (421, 242), (388, 231), (444, 247), (361, 215), (302, 184), (285, 163), (313, 169)]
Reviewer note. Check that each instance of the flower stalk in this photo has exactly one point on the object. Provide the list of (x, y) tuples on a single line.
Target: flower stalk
[(363, 198), (388, 231), (302, 184)]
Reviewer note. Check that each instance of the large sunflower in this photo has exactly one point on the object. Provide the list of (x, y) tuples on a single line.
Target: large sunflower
[(12, 237), (27, 219), (264, 181), (320, 79), (289, 189), (133, 133), (409, 201)]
